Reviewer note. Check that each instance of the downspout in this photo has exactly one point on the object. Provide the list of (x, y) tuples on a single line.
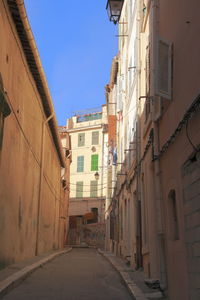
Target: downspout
[(138, 143), (59, 219), (41, 183), (157, 169), (102, 173)]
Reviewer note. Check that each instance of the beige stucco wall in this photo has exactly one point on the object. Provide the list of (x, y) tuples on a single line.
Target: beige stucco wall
[(83, 205), (176, 23), (87, 175), (21, 159), (183, 277)]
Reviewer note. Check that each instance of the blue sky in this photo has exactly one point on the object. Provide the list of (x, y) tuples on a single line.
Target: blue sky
[(76, 43)]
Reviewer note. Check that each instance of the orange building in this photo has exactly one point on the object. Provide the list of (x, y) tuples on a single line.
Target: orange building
[(163, 182), (31, 190)]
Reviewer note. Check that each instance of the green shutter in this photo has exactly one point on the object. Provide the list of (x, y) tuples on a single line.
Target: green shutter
[(93, 188), (79, 189), (80, 163), (94, 162)]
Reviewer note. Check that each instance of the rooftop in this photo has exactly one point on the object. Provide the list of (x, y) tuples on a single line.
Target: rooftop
[(88, 114)]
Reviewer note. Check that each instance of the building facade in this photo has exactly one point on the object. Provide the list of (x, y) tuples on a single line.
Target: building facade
[(31, 191), (88, 173), (154, 207)]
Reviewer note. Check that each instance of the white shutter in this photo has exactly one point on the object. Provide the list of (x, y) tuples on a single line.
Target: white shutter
[(163, 69), (119, 95)]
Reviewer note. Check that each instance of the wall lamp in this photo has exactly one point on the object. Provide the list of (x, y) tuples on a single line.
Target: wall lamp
[(96, 175), (146, 97), (114, 8)]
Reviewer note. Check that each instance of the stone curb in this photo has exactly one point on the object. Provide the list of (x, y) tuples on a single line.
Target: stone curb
[(13, 280), (134, 290)]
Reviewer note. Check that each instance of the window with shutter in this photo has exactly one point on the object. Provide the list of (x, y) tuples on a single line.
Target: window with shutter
[(95, 137), (94, 162), (119, 94), (147, 80), (93, 188), (81, 139), (164, 69), (79, 189), (80, 163)]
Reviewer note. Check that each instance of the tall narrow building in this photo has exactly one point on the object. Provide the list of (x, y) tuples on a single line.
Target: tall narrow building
[(88, 176)]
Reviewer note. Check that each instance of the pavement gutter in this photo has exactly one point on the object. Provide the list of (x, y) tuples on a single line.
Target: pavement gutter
[(134, 290), (13, 280)]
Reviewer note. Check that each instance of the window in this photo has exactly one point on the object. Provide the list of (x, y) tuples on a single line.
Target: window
[(4, 110), (164, 69), (80, 163), (94, 162), (95, 137), (173, 216), (79, 189), (93, 188), (147, 79), (81, 139)]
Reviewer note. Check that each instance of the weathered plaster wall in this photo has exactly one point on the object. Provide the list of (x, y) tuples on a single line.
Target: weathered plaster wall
[(21, 159)]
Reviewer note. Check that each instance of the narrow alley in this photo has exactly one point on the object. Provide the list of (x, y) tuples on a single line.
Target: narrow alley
[(99, 149), (80, 274)]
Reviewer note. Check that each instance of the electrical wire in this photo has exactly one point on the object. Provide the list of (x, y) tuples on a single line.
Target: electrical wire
[(189, 139)]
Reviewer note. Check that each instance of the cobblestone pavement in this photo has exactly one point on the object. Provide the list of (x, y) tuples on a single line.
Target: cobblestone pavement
[(78, 275)]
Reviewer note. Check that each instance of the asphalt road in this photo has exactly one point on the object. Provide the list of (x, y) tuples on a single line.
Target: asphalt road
[(79, 275)]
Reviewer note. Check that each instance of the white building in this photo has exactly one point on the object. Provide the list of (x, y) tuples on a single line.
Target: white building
[(122, 227), (88, 176)]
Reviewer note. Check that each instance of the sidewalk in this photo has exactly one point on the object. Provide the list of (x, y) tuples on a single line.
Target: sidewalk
[(14, 274), (134, 280)]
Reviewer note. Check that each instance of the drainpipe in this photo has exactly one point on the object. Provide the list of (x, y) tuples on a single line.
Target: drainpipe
[(102, 172), (41, 182), (157, 170), (138, 144)]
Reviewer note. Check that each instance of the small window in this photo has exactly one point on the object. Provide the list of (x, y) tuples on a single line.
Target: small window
[(93, 188), (79, 189), (80, 163), (173, 216), (94, 162), (81, 139), (95, 137)]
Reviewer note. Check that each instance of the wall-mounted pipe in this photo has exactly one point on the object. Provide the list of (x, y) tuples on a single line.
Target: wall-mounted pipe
[(41, 182)]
